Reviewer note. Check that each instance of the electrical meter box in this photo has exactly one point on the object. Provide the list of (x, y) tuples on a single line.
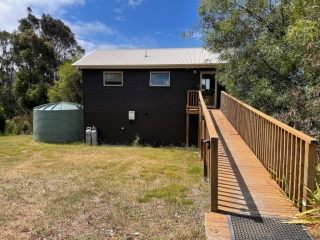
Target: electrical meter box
[(132, 115)]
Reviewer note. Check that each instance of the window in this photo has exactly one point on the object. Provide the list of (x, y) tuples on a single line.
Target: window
[(159, 79), (112, 79)]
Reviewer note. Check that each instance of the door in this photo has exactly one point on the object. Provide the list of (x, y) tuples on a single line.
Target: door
[(208, 87)]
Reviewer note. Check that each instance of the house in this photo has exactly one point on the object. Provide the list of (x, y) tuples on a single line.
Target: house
[(143, 92)]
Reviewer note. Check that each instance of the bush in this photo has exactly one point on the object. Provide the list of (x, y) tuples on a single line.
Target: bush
[(2, 121), (11, 128), (21, 124)]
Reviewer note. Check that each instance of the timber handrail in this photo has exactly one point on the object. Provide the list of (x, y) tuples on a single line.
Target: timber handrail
[(208, 147), (192, 99), (299, 134), (192, 107), (288, 154)]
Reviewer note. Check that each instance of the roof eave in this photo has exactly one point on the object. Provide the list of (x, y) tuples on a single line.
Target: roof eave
[(172, 66)]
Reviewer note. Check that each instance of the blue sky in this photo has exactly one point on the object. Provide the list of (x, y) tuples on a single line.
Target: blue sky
[(102, 24)]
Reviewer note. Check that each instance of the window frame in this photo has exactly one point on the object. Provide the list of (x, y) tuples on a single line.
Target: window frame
[(112, 85), (151, 85)]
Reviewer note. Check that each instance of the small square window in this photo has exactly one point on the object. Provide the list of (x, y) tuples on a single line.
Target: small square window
[(160, 79), (112, 79)]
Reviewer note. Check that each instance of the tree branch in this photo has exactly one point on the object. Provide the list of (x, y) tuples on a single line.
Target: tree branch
[(251, 13), (275, 71)]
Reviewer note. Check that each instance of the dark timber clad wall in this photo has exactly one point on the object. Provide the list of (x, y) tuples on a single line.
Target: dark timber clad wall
[(160, 111), (220, 89)]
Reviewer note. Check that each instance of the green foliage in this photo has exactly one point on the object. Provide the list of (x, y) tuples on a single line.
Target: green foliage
[(271, 50), (195, 170), (21, 124), (7, 97), (312, 215), (8, 101), (69, 88), (2, 121), (60, 37), (35, 58), (30, 59), (6, 63), (272, 174), (39, 47)]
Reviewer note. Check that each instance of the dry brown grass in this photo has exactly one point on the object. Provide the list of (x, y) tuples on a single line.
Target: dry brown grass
[(74, 191)]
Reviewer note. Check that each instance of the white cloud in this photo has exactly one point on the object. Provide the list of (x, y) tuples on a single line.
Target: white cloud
[(115, 46), (169, 35), (90, 46), (121, 18), (156, 33), (197, 35), (144, 41), (134, 3), (120, 42), (82, 29), (13, 10)]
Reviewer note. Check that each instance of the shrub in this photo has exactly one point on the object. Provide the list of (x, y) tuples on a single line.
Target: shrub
[(2, 121), (11, 128), (21, 124)]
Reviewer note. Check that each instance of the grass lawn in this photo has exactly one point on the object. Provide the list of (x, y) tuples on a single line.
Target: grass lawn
[(74, 191)]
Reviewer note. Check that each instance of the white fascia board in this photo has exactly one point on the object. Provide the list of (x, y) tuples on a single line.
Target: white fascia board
[(146, 66)]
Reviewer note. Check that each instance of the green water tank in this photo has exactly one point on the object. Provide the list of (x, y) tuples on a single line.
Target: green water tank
[(58, 122)]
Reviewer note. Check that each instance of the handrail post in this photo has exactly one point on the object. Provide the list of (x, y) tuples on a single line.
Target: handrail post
[(200, 128), (201, 148), (205, 165), (214, 173), (187, 130), (309, 173)]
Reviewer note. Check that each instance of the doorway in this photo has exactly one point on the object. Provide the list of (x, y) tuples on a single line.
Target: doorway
[(208, 87)]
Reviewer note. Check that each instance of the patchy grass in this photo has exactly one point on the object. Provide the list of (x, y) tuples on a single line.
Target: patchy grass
[(73, 191), (195, 170), (174, 193)]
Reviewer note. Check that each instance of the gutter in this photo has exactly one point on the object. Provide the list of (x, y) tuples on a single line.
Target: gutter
[(176, 66)]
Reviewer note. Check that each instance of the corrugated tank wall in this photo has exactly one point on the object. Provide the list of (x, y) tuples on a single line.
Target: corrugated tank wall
[(58, 122)]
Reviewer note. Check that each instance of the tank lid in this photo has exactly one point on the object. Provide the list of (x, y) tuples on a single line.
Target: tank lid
[(59, 106)]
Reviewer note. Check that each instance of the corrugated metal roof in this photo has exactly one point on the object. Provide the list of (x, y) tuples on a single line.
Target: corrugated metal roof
[(148, 58), (58, 106)]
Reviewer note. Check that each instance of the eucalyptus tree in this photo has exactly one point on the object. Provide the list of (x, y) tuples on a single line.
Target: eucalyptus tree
[(6, 64), (60, 36), (272, 50), (7, 70), (40, 46), (35, 61)]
